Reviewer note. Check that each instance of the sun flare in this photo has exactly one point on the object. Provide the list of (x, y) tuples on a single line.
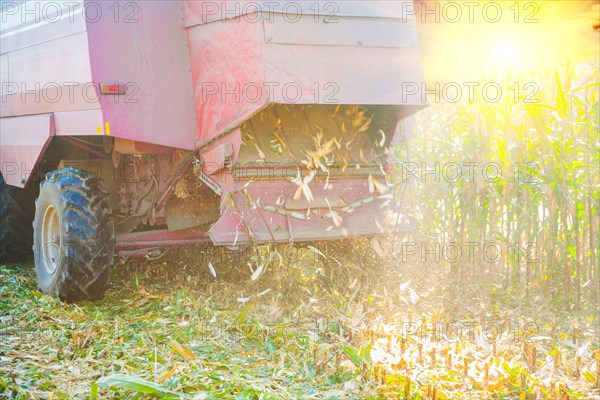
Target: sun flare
[(506, 52), (525, 37)]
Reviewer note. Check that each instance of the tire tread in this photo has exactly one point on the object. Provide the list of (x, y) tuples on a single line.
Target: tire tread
[(88, 235)]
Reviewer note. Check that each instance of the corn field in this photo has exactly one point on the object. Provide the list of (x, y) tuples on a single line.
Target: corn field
[(520, 172)]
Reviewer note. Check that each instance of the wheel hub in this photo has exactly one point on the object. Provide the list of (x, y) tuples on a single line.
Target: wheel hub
[(50, 240)]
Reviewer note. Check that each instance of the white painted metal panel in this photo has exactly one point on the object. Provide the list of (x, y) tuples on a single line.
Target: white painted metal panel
[(79, 123), (22, 139), (368, 32), (64, 60), (35, 22), (3, 72), (64, 83)]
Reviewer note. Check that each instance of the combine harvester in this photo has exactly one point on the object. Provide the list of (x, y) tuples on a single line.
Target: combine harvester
[(144, 125)]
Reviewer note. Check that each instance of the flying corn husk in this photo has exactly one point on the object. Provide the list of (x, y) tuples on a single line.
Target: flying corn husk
[(338, 143), (317, 251), (212, 269), (359, 119), (246, 136), (337, 220), (382, 141), (322, 150), (366, 125), (261, 154), (349, 142), (362, 157), (237, 234), (249, 197), (414, 297), (276, 147), (283, 143), (319, 129), (381, 230), (377, 247), (257, 273), (322, 167), (374, 184), (344, 130), (381, 188), (327, 186), (303, 187)]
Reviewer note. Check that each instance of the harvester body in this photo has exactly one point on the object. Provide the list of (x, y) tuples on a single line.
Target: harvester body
[(231, 122)]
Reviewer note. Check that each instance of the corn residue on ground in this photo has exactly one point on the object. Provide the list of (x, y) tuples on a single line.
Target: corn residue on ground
[(317, 325)]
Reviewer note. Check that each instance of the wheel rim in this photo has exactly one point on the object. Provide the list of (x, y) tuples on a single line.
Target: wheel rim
[(51, 240)]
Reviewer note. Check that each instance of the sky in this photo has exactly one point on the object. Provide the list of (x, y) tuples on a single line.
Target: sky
[(473, 38)]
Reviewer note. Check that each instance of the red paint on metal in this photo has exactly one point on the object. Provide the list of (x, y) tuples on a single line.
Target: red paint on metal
[(241, 63), (140, 241), (250, 216), (148, 54)]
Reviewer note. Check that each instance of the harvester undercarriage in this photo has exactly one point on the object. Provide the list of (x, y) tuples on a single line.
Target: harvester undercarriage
[(285, 193)]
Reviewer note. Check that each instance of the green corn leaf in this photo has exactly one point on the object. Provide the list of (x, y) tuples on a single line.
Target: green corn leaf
[(353, 355), (137, 384), (561, 100)]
